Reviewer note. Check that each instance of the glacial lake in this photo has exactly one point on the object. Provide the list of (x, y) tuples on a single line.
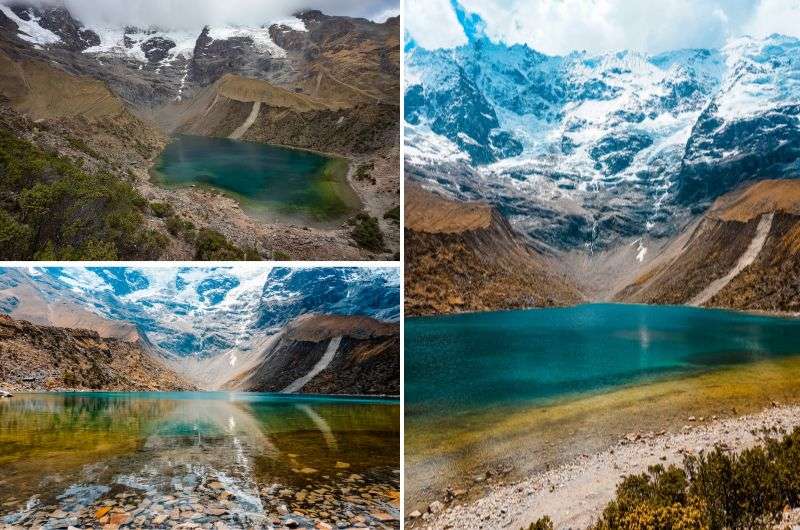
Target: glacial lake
[(273, 183), (527, 390), (246, 454), (528, 357)]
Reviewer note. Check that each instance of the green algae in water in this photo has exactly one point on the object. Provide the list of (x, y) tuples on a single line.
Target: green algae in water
[(267, 180)]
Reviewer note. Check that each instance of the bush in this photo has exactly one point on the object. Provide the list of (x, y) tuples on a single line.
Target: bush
[(366, 233), (541, 524), (281, 256), (393, 214), (161, 209), (213, 246), (15, 238), (720, 490), (52, 209)]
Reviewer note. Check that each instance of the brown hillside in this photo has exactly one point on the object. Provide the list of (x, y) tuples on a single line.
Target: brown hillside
[(466, 257)]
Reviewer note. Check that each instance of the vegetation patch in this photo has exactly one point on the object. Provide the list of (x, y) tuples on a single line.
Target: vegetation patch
[(393, 214), (53, 209), (366, 232), (364, 172), (716, 491), (213, 246)]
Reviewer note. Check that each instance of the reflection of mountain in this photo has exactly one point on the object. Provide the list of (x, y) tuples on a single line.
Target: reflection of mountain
[(239, 455), (213, 325)]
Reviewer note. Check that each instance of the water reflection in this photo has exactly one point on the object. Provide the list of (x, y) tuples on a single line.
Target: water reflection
[(70, 450)]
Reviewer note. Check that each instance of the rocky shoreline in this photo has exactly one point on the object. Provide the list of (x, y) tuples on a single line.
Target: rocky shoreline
[(574, 494), (347, 500)]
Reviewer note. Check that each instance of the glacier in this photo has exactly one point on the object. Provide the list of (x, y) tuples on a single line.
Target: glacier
[(585, 151), (205, 311)]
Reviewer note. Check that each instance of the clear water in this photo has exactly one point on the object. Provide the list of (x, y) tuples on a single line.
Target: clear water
[(71, 447), (467, 362), (268, 180)]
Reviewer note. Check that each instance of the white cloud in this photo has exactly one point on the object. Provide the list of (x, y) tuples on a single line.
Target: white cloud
[(775, 16), (562, 26), (433, 24), (191, 14)]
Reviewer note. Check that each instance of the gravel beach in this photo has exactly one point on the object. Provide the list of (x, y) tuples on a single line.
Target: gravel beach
[(575, 493)]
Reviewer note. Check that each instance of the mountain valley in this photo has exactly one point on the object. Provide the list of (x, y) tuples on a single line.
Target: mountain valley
[(326, 331), (109, 98), (616, 167)]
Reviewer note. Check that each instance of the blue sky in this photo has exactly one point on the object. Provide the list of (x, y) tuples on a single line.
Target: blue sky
[(561, 26)]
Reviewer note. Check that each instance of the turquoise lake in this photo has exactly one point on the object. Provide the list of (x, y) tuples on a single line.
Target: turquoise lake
[(269, 181), (465, 362), (76, 451)]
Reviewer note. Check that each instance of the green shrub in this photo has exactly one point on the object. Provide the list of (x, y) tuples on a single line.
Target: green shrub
[(281, 256), (15, 238), (213, 246), (543, 523), (52, 209), (161, 209), (716, 491), (364, 172), (393, 214), (181, 227), (366, 233)]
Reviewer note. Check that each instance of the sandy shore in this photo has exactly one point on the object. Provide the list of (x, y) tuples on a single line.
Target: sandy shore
[(575, 493)]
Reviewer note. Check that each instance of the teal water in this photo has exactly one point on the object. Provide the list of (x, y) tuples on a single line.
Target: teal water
[(469, 362), (59, 446), (267, 180)]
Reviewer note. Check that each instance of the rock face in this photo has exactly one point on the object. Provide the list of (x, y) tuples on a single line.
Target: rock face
[(345, 354), (711, 248), (156, 49), (40, 358), (466, 257)]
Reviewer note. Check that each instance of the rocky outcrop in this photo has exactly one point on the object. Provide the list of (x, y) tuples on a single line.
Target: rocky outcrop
[(466, 257), (38, 358), (365, 359), (744, 253)]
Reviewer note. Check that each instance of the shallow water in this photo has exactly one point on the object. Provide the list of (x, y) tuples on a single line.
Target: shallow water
[(71, 449), (531, 389), (269, 181)]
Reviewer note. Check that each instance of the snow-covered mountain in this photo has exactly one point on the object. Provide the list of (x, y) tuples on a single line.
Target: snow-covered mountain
[(585, 150), (168, 52), (202, 312)]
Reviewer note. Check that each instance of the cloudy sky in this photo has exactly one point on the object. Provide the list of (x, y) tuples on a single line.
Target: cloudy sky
[(561, 26), (189, 14)]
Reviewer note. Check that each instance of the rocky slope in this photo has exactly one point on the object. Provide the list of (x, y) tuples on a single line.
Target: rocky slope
[(119, 91), (466, 257), (37, 358), (744, 253), (328, 354)]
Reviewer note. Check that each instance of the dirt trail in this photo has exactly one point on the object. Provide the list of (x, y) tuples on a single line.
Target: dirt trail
[(323, 363), (749, 256), (239, 132)]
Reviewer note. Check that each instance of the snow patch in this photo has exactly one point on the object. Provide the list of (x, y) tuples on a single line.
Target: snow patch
[(30, 30)]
